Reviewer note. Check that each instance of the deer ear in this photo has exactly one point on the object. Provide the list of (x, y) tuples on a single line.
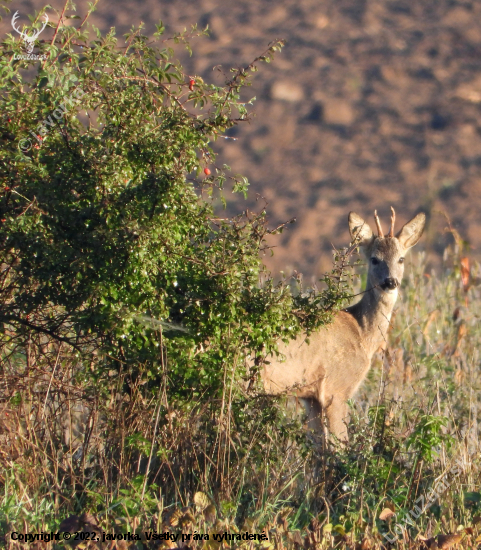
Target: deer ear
[(412, 231), (360, 230)]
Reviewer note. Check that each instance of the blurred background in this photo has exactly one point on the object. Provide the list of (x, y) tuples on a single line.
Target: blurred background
[(372, 103)]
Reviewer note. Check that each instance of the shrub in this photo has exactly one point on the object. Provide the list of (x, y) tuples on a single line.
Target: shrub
[(128, 306)]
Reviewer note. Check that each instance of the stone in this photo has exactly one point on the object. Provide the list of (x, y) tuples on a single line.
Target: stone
[(287, 91)]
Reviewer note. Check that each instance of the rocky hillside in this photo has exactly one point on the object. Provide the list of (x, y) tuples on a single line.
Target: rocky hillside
[(371, 103)]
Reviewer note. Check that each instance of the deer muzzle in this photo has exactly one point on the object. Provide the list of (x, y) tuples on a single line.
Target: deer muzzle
[(390, 284)]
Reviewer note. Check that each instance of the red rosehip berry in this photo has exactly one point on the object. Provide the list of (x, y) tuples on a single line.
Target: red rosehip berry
[(191, 84), (207, 171)]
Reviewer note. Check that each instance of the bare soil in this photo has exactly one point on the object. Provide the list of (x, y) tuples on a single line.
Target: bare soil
[(371, 104)]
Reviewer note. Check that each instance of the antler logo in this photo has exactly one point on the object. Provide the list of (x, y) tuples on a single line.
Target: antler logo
[(28, 39)]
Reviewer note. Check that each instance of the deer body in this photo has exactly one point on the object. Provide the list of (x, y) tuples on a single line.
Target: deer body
[(327, 372)]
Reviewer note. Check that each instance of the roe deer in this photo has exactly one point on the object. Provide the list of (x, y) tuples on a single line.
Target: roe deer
[(327, 372)]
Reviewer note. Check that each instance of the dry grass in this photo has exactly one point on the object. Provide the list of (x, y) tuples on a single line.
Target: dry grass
[(73, 446)]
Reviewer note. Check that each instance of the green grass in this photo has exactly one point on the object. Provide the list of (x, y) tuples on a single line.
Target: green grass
[(414, 428)]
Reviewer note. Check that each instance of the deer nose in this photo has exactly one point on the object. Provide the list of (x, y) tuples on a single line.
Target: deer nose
[(390, 283)]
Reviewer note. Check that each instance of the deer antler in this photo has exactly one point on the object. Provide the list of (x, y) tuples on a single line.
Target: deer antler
[(42, 29), (29, 40), (14, 20), (393, 221), (378, 224)]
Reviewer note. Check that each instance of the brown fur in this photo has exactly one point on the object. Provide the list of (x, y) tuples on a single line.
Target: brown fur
[(328, 371)]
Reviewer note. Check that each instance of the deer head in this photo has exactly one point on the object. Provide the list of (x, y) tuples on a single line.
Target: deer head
[(385, 253), (28, 39)]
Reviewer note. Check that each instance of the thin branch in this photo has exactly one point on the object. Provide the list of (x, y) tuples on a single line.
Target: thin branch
[(42, 330), (58, 23)]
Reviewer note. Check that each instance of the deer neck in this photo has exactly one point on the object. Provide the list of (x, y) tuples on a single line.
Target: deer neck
[(373, 314)]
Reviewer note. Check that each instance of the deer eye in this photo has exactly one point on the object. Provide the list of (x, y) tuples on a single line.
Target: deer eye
[(401, 260), (374, 261)]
